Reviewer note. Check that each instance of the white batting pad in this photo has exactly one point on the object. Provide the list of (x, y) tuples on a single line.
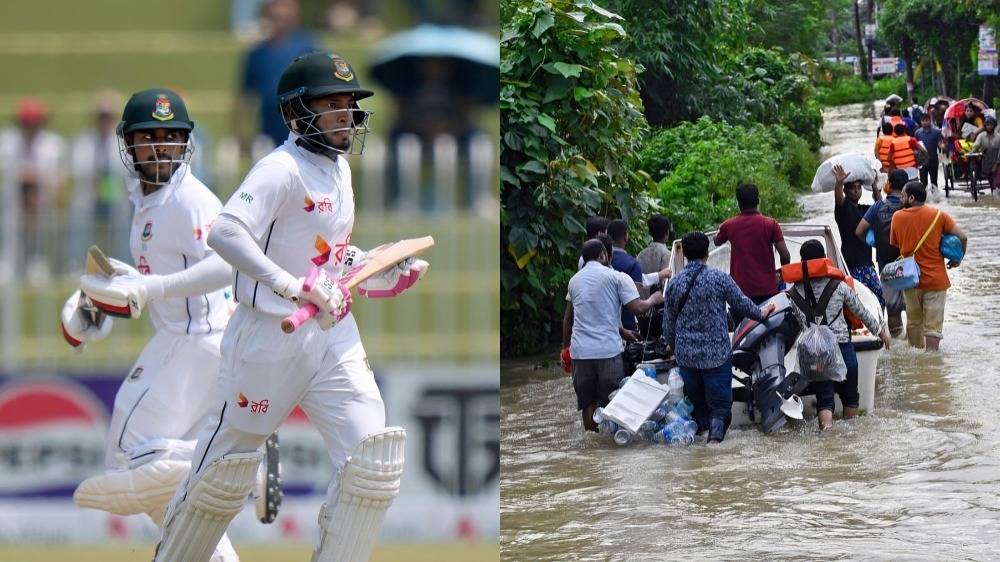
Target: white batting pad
[(194, 529), (138, 490), (368, 482)]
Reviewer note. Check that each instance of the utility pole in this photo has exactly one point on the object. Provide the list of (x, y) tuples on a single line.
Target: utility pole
[(870, 39), (862, 61)]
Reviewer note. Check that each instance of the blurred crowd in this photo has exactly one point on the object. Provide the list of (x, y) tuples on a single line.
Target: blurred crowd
[(59, 195)]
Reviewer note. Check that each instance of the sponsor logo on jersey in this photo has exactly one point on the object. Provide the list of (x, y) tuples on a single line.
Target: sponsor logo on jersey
[(324, 251), (163, 111), (147, 231), (143, 266), (136, 373), (310, 205), (256, 406), (197, 234), (52, 437), (341, 69), (246, 197), (341, 249)]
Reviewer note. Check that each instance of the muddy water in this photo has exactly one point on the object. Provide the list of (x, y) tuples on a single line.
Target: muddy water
[(918, 478)]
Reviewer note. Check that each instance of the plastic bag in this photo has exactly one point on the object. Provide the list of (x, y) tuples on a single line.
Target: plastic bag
[(951, 248), (863, 167), (819, 355)]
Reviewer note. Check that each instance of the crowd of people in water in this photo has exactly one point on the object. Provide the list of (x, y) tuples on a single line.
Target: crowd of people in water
[(695, 309)]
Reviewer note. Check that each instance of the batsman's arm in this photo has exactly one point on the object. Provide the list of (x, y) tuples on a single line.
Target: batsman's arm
[(231, 240), (210, 274)]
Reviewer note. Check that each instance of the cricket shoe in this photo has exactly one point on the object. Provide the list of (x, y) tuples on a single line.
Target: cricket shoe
[(267, 492)]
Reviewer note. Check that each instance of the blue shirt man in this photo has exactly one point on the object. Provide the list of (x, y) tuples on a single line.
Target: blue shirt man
[(696, 327), (622, 261), (264, 64)]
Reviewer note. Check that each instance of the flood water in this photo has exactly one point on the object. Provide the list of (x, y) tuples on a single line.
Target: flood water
[(917, 478)]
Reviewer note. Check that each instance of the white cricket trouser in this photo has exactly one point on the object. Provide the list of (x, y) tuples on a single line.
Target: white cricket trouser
[(265, 373), (167, 393)]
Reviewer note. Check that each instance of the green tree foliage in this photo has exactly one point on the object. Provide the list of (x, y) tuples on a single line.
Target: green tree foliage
[(698, 166), (571, 127), (766, 87), (682, 46), (935, 30), (796, 26)]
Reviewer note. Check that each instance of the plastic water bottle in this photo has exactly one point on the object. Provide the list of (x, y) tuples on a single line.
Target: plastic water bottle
[(623, 436), (684, 408), (607, 427), (675, 382), (599, 415), (659, 413), (649, 370), (647, 429), (677, 432)]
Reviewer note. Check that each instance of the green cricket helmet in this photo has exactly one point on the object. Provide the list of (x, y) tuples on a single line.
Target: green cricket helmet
[(145, 112), (313, 76)]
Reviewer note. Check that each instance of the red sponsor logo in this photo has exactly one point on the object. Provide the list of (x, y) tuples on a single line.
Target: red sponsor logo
[(197, 234), (341, 248), (143, 266), (310, 204), (256, 406)]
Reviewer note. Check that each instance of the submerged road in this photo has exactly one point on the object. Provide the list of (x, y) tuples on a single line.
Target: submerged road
[(918, 478)]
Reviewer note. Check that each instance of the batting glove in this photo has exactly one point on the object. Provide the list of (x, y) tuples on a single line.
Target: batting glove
[(392, 281), (77, 324), (330, 296), (125, 294)]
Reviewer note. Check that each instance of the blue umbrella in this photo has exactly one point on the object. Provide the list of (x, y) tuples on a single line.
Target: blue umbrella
[(468, 61)]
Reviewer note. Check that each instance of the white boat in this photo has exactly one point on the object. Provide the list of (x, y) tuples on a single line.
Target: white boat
[(868, 346)]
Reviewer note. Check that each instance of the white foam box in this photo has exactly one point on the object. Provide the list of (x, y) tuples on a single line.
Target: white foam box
[(636, 401)]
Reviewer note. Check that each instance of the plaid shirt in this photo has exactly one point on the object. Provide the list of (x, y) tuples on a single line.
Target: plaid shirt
[(699, 334)]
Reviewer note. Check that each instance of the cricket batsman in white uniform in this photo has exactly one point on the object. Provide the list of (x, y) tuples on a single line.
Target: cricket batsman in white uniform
[(294, 212), (164, 402)]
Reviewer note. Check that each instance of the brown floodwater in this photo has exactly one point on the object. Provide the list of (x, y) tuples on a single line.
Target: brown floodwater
[(917, 478)]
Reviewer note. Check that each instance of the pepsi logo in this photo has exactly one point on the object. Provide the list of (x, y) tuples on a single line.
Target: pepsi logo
[(52, 436)]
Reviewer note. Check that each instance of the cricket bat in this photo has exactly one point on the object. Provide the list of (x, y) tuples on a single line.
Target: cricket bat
[(96, 262), (384, 258)]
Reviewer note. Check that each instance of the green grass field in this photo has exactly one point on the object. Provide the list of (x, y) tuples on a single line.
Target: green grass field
[(418, 552)]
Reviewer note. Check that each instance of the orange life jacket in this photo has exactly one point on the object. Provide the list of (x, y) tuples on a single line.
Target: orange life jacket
[(902, 155), (823, 267), (883, 151), (896, 120)]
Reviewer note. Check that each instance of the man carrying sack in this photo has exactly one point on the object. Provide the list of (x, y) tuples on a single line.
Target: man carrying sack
[(916, 230)]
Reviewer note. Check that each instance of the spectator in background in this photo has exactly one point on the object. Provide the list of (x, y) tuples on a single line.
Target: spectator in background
[(753, 239), (99, 210), (33, 163), (262, 67)]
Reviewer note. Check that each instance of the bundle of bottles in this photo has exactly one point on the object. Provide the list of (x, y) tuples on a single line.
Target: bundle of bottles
[(669, 424)]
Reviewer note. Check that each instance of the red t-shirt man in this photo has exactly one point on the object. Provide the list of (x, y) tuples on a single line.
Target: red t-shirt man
[(753, 238)]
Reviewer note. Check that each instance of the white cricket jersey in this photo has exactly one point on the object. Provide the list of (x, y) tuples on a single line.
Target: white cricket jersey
[(169, 233), (299, 207)]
